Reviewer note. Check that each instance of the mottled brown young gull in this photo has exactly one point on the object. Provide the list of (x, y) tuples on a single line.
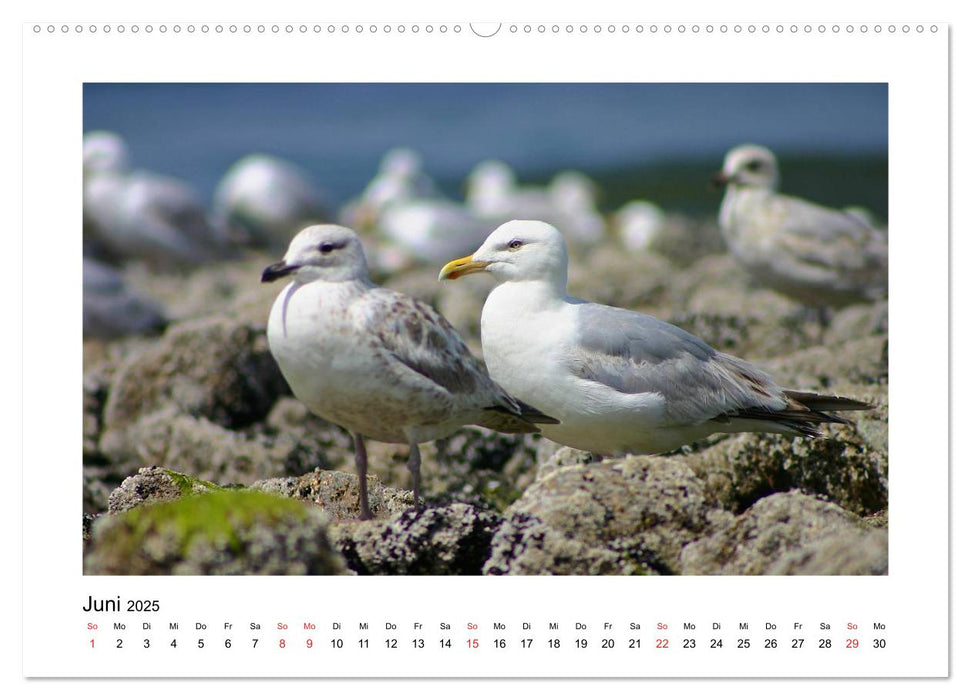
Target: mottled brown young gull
[(377, 362), (818, 256), (619, 381)]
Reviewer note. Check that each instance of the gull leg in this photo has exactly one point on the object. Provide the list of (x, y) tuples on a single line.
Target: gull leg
[(360, 461), (414, 466)]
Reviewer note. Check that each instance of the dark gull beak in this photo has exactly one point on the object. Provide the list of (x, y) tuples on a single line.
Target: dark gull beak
[(277, 270)]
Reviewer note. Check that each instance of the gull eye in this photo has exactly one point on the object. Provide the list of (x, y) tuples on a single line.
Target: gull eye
[(515, 243), (325, 247), (753, 165)]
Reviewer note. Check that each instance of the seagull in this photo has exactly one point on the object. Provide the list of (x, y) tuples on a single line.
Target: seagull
[(400, 179), (821, 257), (268, 199), (431, 230), (639, 224), (569, 201), (404, 207), (377, 362), (134, 214), (620, 382)]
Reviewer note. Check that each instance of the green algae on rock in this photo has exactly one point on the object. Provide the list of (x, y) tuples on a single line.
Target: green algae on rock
[(224, 531)]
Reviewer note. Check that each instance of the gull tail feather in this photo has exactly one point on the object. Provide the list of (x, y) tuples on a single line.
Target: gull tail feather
[(534, 415), (805, 412), (521, 420), (822, 402)]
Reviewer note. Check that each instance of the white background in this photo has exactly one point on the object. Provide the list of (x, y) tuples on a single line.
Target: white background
[(914, 142)]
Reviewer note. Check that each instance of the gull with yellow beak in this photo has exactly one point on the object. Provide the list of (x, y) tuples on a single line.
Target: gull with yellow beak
[(374, 361), (620, 382)]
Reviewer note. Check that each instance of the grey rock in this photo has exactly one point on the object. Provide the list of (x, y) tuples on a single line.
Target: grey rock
[(96, 488), (111, 310), (861, 361), (788, 533), (611, 275), (858, 321), (554, 457), (747, 335), (290, 420), (842, 467), (227, 289), (838, 555), (448, 540), (628, 516), (216, 369), (94, 396), (336, 493), (489, 470), (203, 449), (151, 485)]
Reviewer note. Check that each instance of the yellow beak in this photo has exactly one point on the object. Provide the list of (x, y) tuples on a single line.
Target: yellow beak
[(460, 267)]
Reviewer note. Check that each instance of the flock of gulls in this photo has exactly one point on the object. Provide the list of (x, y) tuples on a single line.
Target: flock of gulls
[(388, 367)]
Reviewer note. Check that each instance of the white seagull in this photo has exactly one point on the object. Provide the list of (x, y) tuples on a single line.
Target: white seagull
[(377, 362), (619, 382), (818, 256)]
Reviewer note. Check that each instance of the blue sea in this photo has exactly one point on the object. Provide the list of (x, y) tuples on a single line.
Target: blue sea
[(339, 132)]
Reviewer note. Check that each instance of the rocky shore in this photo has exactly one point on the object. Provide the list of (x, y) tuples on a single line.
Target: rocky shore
[(198, 460)]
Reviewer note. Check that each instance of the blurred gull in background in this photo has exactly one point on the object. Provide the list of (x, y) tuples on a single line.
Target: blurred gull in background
[(265, 200), (569, 202), (133, 214), (400, 178), (111, 310), (818, 256), (638, 224), (432, 230), (406, 209), (574, 197)]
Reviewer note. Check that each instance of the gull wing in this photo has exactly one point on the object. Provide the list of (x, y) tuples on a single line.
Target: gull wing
[(634, 353), (815, 236), (417, 337)]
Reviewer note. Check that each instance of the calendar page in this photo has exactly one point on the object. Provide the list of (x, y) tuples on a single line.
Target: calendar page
[(455, 349)]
